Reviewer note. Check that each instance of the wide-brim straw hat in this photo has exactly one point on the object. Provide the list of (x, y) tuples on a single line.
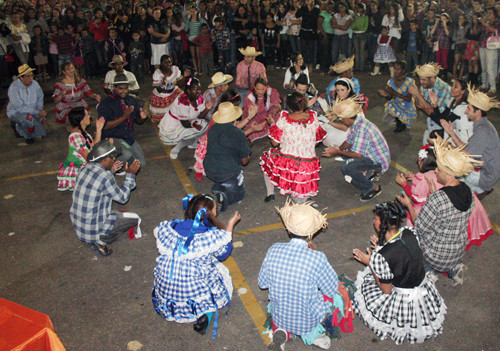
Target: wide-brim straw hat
[(227, 113), (117, 59), (347, 108), (428, 70), (480, 100), (302, 219), (24, 69), (220, 78), (343, 66), (454, 160), (250, 51)]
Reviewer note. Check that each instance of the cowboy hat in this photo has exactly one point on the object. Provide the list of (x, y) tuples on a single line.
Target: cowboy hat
[(117, 59), (227, 113), (249, 51), (220, 78), (121, 79), (24, 69), (302, 219)]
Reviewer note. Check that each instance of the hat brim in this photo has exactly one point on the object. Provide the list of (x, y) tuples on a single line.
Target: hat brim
[(121, 82), (253, 54), (111, 64), (227, 79), (26, 72), (222, 119)]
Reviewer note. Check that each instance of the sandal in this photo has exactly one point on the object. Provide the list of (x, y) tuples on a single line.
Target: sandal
[(101, 250)]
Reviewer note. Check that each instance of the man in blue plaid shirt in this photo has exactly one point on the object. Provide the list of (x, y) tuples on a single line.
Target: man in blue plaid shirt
[(297, 276), (95, 189)]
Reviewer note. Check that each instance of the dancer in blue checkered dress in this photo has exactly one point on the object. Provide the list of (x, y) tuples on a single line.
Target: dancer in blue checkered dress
[(190, 282), (394, 298)]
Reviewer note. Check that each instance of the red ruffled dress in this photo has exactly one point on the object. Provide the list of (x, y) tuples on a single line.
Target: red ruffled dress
[(293, 167)]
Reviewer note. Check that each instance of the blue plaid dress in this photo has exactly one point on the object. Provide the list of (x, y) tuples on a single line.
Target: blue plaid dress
[(190, 281)]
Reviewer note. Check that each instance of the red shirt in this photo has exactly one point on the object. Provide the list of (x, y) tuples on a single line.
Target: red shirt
[(100, 30)]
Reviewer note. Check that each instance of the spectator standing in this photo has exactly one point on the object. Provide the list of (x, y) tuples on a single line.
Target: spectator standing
[(222, 37), (39, 49), (341, 22), (99, 27), (114, 44), (204, 41), (294, 24), (137, 49), (411, 45), (308, 29), (359, 28), (159, 32), (441, 33), (193, 29), (325, 31), (20, 37), (271, 40), (490, 26)]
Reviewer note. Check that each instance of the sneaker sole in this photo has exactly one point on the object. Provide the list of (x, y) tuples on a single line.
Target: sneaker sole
[(370, 199)]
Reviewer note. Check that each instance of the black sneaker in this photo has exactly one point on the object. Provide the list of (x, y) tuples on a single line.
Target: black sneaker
[(269, 198), (201, 325), (375, 177), (371, 194)]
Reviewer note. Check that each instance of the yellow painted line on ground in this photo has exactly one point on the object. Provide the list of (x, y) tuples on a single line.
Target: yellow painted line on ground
[(33, 175), (274, 226), (399, 167), (249, 301)]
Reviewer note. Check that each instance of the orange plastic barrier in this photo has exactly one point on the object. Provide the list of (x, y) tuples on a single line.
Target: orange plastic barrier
[(25, 329)]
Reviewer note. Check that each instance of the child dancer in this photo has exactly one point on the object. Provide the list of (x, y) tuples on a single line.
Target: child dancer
[(293, 166), (384, 53)]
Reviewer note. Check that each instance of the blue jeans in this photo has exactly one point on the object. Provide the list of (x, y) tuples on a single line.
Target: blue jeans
[(233, 190), (340, 44), (28, 125), (101, 56), (294, 43), (428, 268), (357, 171)]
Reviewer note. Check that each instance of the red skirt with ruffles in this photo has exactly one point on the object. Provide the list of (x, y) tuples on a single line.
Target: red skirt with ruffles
[(292, 175)]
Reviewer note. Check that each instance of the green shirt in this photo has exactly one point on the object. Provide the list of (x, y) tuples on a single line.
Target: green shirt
[(327, 26), (360, 24)]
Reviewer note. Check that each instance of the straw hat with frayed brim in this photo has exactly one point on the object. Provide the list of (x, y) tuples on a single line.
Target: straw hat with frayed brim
[(428, 70), (302, 219), (220, 78), (24, 69), (454, 161), (343, 66), (227, 113), (347, 108), (249, 51), (117, 59), (480, 100)]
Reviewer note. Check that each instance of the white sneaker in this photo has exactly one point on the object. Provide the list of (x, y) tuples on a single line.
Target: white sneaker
[(323, 342), (459, 274), (432, 276)]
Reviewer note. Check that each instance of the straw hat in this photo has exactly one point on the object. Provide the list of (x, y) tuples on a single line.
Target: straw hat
[(343, 66), (249, 51), (302, 219), (24, 69), (428, 70), (227, 113), (454, 161), (220, 78), (347, 108), (117, 59), (481, 100)]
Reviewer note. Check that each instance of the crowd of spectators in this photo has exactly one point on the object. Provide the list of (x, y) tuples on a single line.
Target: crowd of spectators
[(206, 35)]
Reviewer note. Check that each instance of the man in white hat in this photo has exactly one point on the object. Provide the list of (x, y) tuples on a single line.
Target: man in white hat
[(430, 84), (442, 224), (117, 64), (298, 277), (227, 151), (95, 190), (248, 71), (25, 107), (484, 142), (219, 85), (365, 148), (121, 112)]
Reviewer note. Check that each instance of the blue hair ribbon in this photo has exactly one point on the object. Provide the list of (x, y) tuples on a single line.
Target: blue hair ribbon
[(185, 201)]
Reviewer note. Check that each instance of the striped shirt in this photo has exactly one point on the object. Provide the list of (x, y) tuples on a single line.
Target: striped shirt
[(366, 139)]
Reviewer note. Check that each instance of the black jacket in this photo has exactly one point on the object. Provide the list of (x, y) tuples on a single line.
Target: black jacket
[(405, 37)]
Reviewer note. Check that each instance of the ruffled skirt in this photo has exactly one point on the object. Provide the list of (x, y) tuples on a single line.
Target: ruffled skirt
[(292, 175), (415, 314), (199, 155), (159, 104), (67, 176), (479, 225)]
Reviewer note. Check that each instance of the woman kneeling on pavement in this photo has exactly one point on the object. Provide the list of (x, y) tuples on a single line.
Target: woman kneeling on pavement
[(190, 282)]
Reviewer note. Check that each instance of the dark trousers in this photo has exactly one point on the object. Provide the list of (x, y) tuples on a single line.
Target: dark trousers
[(307, 46), (357, 171), (340, 45), (233, 189), (325, 49), (122, 225)]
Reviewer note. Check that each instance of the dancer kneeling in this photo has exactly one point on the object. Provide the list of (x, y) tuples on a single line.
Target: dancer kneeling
[(294, 166), (393, 297), (298, 277), (190, 282)]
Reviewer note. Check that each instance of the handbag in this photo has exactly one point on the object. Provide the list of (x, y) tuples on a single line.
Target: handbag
[(493, 42)]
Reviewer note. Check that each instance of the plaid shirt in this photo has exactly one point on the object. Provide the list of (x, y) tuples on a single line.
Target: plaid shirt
[(293, 273), (95, 190), (366, 139), (443, 92), (442, 231), (222, 39)]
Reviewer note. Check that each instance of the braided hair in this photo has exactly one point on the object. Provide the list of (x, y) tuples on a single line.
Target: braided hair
[(262, 81), (391, 216), (75, 117)]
